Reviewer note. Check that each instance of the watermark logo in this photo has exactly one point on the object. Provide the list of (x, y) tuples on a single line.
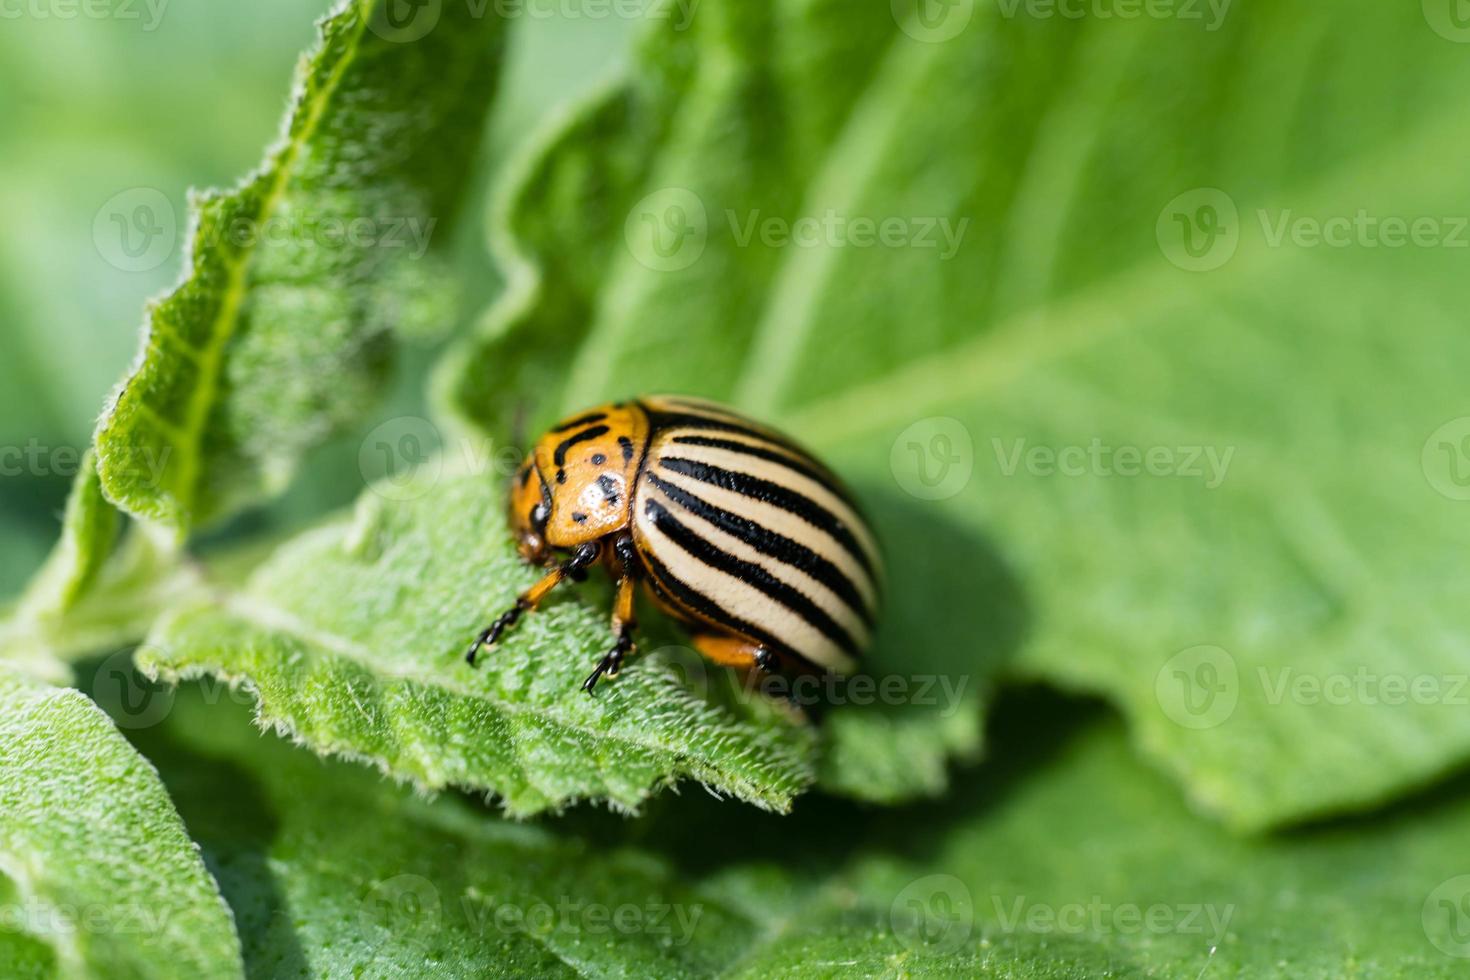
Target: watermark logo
[(935, 912), (667, 230), (687, 666), (1446, 917), (1198, 688), (933, 459), (400, 459), (135, 230), (1450, 19), (405, 21), (932, 21), (1199, 230), (405, 905), (133, 701), (1445, 459)]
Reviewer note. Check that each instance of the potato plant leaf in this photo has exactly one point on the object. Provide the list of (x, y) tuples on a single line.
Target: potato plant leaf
[(1146, 347), (353, 639), (281, 332), (97, 875), (99, 589), (986, 883)]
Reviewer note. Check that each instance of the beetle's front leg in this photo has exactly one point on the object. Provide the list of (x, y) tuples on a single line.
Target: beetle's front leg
[(574, 568), (624, 621)]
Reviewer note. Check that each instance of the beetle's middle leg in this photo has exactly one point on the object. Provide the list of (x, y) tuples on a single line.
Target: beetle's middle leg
[(624, 618), (574, 568)]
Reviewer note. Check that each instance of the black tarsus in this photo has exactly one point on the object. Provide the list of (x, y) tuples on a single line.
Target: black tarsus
[(574, 568), (490, 634), (613, 661), (627, 555)]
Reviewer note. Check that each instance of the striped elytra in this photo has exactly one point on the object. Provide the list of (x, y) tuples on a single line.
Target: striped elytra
[(730, 526)]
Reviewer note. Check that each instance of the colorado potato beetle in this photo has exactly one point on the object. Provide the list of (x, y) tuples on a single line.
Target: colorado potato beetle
[(733, 529)]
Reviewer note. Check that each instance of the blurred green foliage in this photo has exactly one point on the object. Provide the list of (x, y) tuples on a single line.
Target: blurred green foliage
[(96, 106)]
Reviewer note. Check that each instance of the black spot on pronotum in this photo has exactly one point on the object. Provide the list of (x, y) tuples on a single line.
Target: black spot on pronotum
[(598, 459), (609, 488), (561, 476), (626, 445), (578, 516)]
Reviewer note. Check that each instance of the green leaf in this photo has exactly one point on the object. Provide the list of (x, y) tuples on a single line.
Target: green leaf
[(1037, 868), (94, 592), (97, 876), (353, 638), (281, 332), (1038, 295), (88, 530)]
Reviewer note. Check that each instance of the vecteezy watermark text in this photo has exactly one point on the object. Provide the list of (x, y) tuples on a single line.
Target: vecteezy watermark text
[(1210, 13), (1363, 685), (1202, 229), (407, 21), (137, 230), (1207, 463), (833, 229), (148, 12), (410, 904), (1096, 916), (40, 918), (1363, 229), (37, 458)]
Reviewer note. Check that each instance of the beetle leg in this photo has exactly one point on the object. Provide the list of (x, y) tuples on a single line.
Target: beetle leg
[(574, 568), (623, 624), (766, 661), (731, 651)]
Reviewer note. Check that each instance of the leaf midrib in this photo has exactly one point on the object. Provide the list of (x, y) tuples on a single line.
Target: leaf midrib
[(1066, 325), (211, 356)]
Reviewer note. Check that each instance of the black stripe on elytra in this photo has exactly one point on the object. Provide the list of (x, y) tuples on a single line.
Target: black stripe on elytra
[(580, 420), (811, 472), (769, 542), (775, 494), (750, 573), (663, 421), (609, 488), (677, 592), (560, 456)]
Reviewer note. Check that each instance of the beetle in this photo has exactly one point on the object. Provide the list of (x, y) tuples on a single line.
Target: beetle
[(732, 528)]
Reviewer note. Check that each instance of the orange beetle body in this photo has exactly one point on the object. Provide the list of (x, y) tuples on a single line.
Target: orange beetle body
[(733, 528)]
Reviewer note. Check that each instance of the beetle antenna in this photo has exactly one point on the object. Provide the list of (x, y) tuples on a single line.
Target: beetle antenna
[(518, 419)]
